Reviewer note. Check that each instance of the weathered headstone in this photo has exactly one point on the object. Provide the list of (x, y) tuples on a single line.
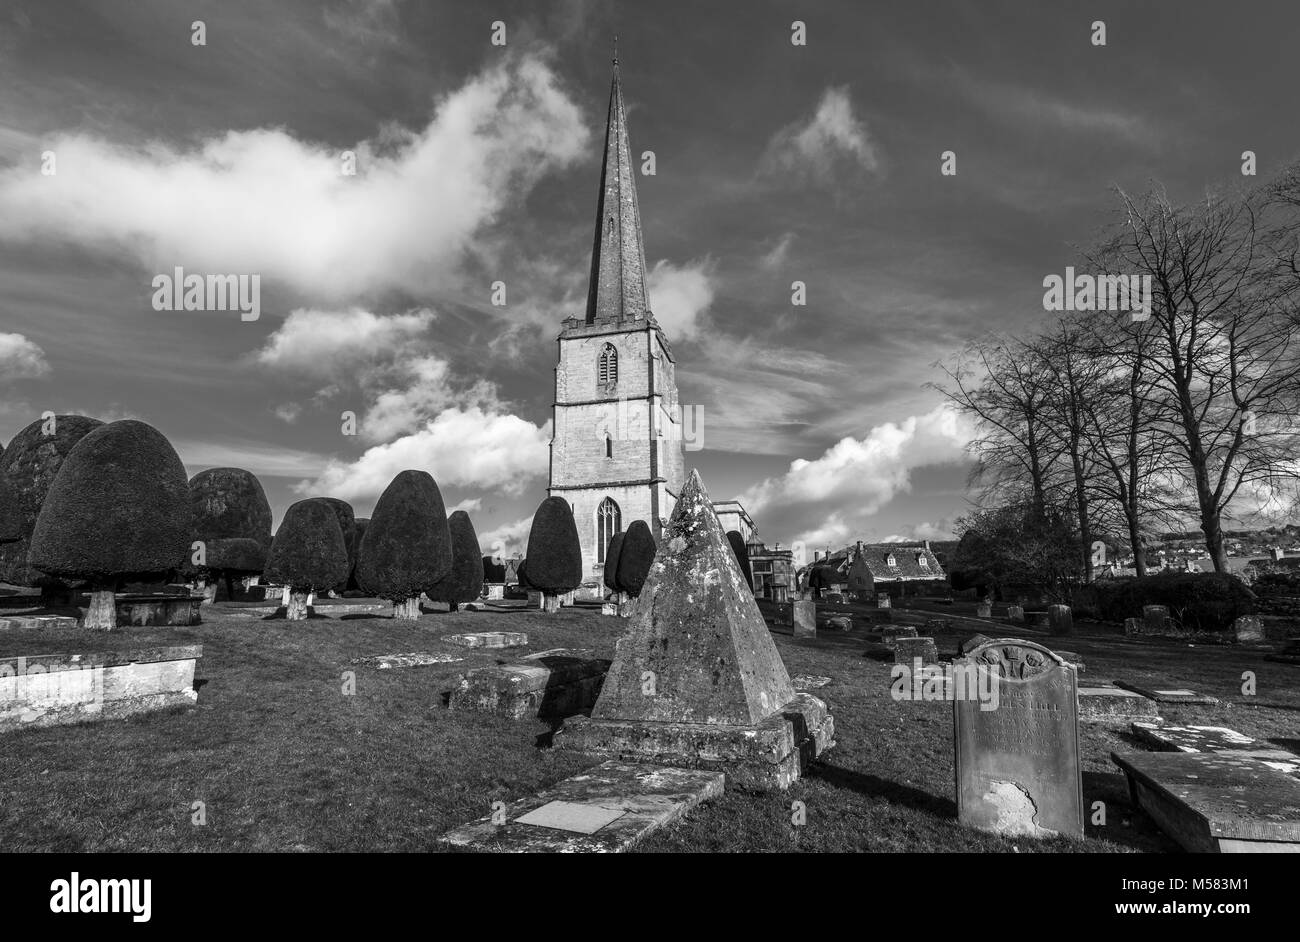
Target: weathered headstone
[(984, 609), (496, 591), (1060, 620), (1249, 629), (535, 599), (1155, 618), (1016, 614), (1133, 627), (840, 622), (1018, 764), (891, 633), (697, 680), (803, 618), (907, 650), (883, 600)]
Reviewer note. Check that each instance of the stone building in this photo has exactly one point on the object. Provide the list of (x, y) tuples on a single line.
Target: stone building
[(617, 446), (870, 569)]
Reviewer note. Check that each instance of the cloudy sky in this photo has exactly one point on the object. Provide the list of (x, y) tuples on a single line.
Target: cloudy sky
[(478, 163)]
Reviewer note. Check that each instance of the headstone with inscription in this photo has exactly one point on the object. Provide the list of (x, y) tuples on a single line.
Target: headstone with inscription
[(803, 618), (1061, 619), (1018, 763)]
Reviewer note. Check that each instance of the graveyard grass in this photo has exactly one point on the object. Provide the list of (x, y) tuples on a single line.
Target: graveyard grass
[(284, 761)]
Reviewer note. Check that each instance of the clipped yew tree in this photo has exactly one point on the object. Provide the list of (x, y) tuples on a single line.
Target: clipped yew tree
[(465, 581), (554, 552), (27, 469), (611, 562), (348, 524), (232, 526), (354, 552), (634, 561), (741, 551), (307, 555), (118, 510), (407, 548)]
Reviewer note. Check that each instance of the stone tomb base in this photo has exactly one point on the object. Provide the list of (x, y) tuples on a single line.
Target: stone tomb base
[(769, 755), (54, 689), (607, 809), (1114, 705), (552, 685), (1216, 802)]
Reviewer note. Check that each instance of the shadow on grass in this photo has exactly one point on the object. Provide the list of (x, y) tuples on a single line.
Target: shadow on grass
[(875, 786)]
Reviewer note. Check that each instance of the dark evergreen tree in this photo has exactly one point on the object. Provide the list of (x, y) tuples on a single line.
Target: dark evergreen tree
[(308, 553), (554, 551), (348, 525), (637, 555), (407, 548), (119, 509), (611, 561), (232, 521), (465, 581), (27, 469)]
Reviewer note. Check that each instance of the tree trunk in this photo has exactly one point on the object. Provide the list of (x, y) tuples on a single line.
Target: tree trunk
[(296, 609), (550, 603), (230, 585), (102, 613), (408, 610)]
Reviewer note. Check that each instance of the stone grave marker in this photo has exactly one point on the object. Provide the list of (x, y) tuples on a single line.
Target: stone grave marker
[(840, 623), (1168, 694), (1016, 614), (489, 639), (1216, 802), (1132, 627), (1018, 765), (883, 601), (1106, 703), (908, 650), (697, 680), (414, 659), (1060, 620), (1155, 618), (1248, 629), (984, 609), (803, 618)]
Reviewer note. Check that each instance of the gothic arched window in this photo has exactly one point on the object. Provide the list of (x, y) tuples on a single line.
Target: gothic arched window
[(607, 366), (609, 520)]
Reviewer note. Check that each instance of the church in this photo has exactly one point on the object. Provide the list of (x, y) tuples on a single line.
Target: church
[(617, 447)]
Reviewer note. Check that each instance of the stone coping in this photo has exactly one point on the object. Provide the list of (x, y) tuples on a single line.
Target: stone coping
[(68, 662)]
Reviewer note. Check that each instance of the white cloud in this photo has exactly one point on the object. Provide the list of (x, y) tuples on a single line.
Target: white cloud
[(830, 497), (925, 530), (814, 147), (461, 447), (326, 343), (777, 256), (261, 201), (507, 540), (20, 358), (469, 504), (680, 296), (259, 458), (288, 412)]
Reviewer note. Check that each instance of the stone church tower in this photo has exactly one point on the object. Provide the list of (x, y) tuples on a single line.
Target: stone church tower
[(617, 451)]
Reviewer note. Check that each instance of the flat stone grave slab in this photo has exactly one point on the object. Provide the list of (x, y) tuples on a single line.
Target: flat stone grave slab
[(606, 809), (1170, 737), (808, 681), (1216, 802), (414, 659), (46, 622), (1018, 770), (553, 684), (907, 650), (55, 689), (328, 607), (1106, 703), (1170, 694), (489, 639)]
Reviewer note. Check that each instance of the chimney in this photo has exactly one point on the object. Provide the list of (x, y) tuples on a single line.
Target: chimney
[(817, 555), (1277, 553), (926, 544)]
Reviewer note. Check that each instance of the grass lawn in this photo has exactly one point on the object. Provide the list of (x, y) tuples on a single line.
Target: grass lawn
[(284, 761)]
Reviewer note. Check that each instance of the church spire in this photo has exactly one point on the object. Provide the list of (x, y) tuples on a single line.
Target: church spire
[(617, 288)]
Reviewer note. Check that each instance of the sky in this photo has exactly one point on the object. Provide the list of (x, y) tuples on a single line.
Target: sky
[(478, 163)]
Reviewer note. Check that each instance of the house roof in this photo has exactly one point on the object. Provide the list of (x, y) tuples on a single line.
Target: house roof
[(875, 556)]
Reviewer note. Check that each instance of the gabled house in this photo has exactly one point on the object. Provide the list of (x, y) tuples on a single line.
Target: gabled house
[(869, 569)]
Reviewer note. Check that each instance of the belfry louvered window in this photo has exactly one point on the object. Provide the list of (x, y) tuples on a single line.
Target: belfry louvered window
[(607, 366)]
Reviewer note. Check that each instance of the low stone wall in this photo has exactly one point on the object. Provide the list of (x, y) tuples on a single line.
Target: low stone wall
[(54, 689)]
